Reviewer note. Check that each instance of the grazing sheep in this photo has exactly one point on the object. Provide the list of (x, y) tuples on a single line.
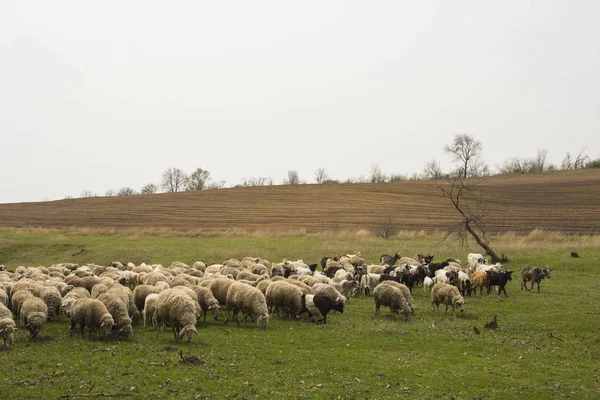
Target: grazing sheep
[(93, 314), (263, 285), (176, 308), (344, 287), (149, 307), (71, 297), (3, 297), (443, 293), (98, 289), (34, 314), (140, 293), (5, 312), (118, 310), (405, 292), (319, 306), (17, 300), (219, 288), (533, 275), (7, 330), (284, 295), (392, 297), (324, 289), (376, 269), (51, 296), (250, 301), (207, 301)]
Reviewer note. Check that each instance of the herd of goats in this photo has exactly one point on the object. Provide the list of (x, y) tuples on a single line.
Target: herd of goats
[(108, 300)]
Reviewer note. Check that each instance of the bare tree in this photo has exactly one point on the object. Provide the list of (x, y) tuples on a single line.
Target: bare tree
[(173, 180), (292, 178), (468, 204), (88, 193), (581, 159), (433, 170), (567, 162), (321, 175), (215, 185), (126, 191), (376, 175), (464, 150), (385, 227), (257, 181), (149, 188), (539, 162), (110, 193)]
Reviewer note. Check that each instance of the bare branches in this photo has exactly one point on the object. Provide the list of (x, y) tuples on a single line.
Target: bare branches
[(385, 228), (463, 196), (464, 150)]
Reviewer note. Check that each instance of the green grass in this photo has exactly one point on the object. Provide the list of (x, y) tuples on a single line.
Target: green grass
[(547, 345)]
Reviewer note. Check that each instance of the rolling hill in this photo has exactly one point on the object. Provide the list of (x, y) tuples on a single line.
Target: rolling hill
[(567, 201)]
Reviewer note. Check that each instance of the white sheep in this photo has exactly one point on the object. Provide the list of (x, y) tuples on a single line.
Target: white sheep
[(176, 308), (7, 330), (51, 296), (250, 301), (118, 310), (93, 314), (149, 307), (284, 295), (34, 314), (443, 293), (405, 292), (392, 297), (323, 289), (70, 299), (207, 301)]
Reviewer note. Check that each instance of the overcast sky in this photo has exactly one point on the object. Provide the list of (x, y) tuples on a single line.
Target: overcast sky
[(102, 95)]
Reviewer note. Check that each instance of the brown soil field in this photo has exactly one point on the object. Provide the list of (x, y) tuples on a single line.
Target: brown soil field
[(567, 202)]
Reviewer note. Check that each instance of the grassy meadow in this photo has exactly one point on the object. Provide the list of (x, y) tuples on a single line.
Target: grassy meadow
[(547, 344)]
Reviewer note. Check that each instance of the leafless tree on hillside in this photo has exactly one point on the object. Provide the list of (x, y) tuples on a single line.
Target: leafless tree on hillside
[(466, 201), (88, 193), (257, 181), (581, 159), (173, 180), (126, 191), (376, 175), (149, 188), (321, 175), (110, 193), (433, 170), (464, 150), (292, 178)]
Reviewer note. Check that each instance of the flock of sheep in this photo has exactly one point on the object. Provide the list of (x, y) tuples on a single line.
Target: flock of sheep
[(109, 300)]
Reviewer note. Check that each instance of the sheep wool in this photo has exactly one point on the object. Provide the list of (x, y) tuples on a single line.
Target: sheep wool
[(392, 297), (7, 330), (176, 308), (250, 301), (443, 293), (93, 314), (34, 314), (283, 295)]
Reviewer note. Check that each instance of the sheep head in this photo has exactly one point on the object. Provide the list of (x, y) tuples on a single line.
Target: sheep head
[(188, 331)]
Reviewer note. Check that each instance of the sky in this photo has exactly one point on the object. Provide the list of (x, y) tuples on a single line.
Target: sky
[(104, 95)]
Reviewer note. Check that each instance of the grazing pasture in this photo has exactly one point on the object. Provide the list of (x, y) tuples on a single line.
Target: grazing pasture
[(546, 344)]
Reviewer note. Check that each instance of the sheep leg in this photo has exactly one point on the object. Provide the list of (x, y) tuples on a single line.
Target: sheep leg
[(538, 285)]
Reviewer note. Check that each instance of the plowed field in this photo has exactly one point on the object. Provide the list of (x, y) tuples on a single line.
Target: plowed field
[(568, 202)]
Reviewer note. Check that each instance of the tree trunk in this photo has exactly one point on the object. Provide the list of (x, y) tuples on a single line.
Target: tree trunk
[(488, 250)]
